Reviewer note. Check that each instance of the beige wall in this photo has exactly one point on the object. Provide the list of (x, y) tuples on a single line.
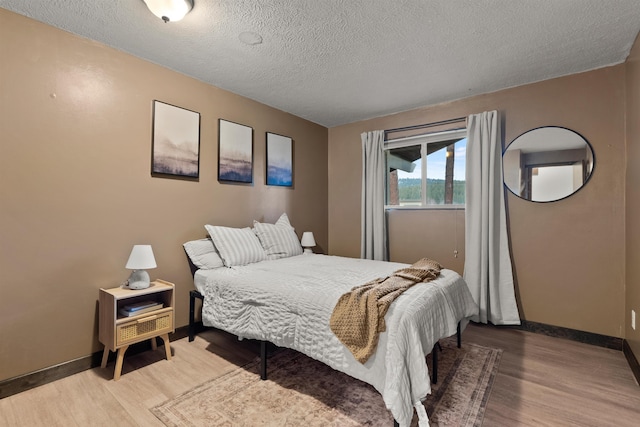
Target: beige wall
[(568, 255), (633, 199), (76, 192)]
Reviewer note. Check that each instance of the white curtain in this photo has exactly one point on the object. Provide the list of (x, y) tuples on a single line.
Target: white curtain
[(487, 268), (374, 229)]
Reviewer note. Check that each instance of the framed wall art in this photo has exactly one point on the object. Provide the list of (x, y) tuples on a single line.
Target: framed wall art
[(235, 152), (279, 160), (175, 141)]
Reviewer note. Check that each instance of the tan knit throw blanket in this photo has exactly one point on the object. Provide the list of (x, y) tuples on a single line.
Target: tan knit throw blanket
[(358, 317)]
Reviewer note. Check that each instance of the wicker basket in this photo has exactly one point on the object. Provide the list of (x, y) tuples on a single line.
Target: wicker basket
[(145, 326)]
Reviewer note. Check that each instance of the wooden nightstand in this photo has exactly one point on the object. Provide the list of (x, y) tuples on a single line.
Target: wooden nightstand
[(117, 331)]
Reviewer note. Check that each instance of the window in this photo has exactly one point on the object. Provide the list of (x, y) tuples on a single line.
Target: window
[(426, 170)]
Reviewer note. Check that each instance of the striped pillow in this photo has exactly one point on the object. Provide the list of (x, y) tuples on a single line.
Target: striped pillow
[(237, 246), (279, 240), (284, 221), (203, 254)]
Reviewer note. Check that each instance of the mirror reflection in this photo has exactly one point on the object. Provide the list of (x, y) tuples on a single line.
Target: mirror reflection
[(547, 164)]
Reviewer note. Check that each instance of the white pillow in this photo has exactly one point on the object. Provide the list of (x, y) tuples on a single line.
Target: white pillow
[(284, 221), (203, 254), (237, 246), (279, 240)]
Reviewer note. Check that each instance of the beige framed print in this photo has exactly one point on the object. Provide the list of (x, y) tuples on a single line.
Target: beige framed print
[(175, 141), (235, 152)]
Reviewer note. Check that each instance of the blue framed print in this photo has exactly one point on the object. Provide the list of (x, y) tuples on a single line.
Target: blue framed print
[(279, 160)]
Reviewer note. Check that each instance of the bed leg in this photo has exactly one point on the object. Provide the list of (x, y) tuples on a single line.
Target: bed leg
[(263, 360), (192, 312), (434, 357), (192, 309), (459, 336)]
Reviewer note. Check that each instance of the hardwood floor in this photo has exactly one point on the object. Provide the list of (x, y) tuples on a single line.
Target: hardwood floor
[(545, 381), (542, 381)]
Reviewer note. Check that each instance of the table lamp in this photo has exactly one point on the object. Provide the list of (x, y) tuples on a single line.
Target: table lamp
[(141, 258), (308, 242)]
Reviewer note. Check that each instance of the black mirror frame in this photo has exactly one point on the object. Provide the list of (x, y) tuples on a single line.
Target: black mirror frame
[(588, 178)]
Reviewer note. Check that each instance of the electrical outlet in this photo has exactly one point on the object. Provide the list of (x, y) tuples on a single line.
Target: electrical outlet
[(633, 319)]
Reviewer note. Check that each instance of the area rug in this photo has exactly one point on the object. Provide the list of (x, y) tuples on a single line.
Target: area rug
[(301, 391)]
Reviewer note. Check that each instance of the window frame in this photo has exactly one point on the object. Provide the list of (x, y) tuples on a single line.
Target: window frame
[(422, 140)]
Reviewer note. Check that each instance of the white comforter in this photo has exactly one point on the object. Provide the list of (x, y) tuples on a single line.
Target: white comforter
[(289, 303)]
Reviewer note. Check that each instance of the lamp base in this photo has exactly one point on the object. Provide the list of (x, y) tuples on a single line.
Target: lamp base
[(139, 279), (308, 251)]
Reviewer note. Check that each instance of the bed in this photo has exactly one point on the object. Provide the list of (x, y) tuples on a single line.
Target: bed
[(288, 301)]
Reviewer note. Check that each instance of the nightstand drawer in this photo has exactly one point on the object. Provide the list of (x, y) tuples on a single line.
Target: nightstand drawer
[(144, 326)]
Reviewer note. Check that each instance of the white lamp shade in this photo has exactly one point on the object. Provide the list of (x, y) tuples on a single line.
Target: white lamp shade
[(307, 240), (141, 258), (169, 10)]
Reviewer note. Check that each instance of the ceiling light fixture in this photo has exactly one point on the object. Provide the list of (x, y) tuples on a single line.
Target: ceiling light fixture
[(169, 10)]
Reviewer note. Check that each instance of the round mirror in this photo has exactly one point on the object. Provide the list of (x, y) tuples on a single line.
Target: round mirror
[(547, 164)]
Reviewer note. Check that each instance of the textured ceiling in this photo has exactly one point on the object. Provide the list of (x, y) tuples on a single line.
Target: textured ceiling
[(339, 61)]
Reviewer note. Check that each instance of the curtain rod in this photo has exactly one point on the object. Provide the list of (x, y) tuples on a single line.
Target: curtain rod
[(424, 126)]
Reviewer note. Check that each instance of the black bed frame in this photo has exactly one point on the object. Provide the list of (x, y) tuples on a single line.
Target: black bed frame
[(195, 294)]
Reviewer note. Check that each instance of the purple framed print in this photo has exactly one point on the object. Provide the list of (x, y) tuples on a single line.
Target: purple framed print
[(175, 141), (235, 152), (279, 160)]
